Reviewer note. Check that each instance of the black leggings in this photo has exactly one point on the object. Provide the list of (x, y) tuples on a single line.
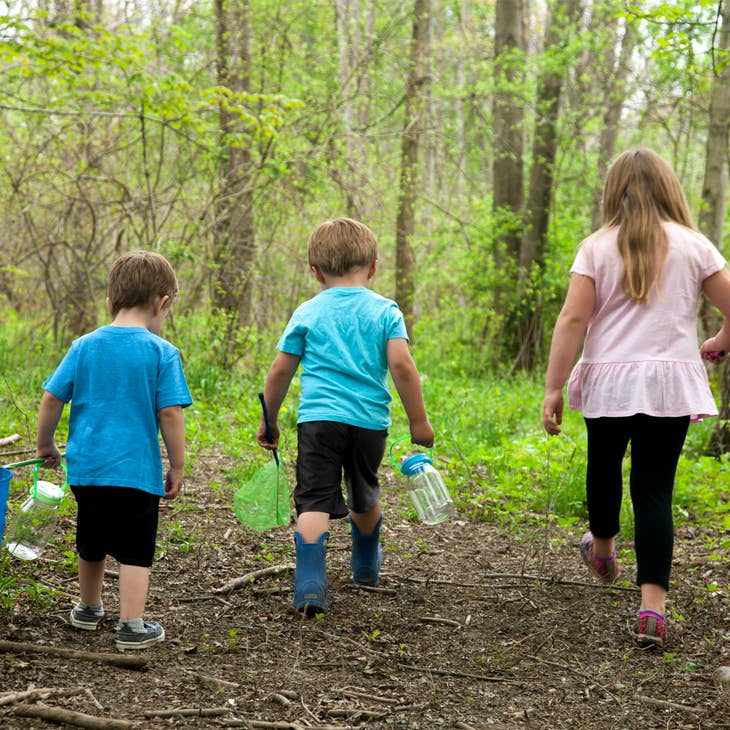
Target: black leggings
[(656, 444)]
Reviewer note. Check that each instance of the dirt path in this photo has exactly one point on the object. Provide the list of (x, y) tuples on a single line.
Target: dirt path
[(458, 635)]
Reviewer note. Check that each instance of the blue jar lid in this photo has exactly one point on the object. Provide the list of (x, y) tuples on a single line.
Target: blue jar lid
[(414, 464)]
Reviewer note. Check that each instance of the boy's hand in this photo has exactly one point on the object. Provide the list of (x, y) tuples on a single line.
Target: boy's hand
[(173, 483), (261, 436), (422, 434), (51, 454)]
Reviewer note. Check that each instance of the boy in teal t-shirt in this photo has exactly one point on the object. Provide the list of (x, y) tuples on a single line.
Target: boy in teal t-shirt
[(125, 385), (346, 339)]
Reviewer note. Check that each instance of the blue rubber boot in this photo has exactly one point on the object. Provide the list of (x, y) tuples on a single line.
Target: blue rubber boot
[(310, 577), (367, 555)]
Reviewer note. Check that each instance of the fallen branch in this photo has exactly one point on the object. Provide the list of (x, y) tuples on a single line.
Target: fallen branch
[(120, 660), (466, 675), (356, 713), (439, 620), (70, 717), (252, 576), (9, 439), (283, 725), (190, 712), (553, 580), (40, 693), (669, 705), (372, 698)]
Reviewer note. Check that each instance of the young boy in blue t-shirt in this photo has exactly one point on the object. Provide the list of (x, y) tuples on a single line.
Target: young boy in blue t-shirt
[(346, 339), (126, 385)]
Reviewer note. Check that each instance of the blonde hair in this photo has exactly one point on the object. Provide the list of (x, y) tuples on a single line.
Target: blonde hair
[(340, 246), (137, 277), (641, 191)]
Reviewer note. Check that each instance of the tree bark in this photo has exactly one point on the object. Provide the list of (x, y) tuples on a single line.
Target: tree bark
[(613, 103), (562, 17), (508, 195), (234, 244), (409, 171), (714, 193)]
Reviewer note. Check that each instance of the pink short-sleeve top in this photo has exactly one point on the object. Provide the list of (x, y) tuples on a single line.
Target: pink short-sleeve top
[(644, 358)]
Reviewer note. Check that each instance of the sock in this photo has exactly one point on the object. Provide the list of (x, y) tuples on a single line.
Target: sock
[(97, 608), (136, 624), (649, 612)]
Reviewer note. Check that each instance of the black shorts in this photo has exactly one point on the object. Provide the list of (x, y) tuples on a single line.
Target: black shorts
[(116, 521), (326, 449)]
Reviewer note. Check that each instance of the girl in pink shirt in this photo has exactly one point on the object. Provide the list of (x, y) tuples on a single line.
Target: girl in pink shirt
[(634, 293)]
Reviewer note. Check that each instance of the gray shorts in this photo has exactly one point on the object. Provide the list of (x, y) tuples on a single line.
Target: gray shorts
[(326, 449)]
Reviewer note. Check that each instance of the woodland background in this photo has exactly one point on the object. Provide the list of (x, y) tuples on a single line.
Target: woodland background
[(471, 136)]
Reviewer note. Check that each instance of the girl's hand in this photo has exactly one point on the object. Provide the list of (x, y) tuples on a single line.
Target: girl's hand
[(712, 351), (552, 411)]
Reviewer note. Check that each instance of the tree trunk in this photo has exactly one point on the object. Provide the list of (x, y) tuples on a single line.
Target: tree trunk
[(562, 17), (234, 245), (613, 103), (714, 192), (409, 177), (508, 193)]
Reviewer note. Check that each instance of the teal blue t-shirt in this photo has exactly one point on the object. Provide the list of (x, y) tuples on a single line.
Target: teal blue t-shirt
[(117, 380), (341, 336)]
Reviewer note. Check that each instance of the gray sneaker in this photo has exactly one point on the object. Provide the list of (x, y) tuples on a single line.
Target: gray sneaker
[(83, 617), (131, 638)]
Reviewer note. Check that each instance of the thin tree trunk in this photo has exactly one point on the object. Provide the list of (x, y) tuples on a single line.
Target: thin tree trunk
[(532, 250), (508, 193), (234, 247), (409, 172), (613, 103), (714, 194)]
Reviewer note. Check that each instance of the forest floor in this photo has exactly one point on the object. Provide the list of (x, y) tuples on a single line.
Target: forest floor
[(473, 626)]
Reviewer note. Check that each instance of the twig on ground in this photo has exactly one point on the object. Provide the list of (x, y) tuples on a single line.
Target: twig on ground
[(70, 717), (365, 696), (372, 589), (120, 660), (283, 725), (40, 693), (93, 699), (6, 440), (669, 705), (356, 714), (451, 673), (190, 712), (554, 580), (439, 620), (252, 576), (461, 725)]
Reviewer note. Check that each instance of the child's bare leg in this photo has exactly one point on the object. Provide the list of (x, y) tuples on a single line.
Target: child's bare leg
[(653, 598), (311, 525), (91, 581), (367, 521), (134, 582), (603, 547)]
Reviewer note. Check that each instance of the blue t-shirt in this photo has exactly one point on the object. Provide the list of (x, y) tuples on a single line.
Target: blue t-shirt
[(118, 379), (341, 336)]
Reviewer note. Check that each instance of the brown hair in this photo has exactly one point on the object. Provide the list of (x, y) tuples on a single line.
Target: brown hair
[(340, 246), (641, 191), (137, 277)]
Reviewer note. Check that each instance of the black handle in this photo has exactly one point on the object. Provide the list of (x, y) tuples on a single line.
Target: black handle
[(269, 435)]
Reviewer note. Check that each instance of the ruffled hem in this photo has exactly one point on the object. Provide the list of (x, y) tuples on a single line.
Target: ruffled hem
[(654, 387)]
